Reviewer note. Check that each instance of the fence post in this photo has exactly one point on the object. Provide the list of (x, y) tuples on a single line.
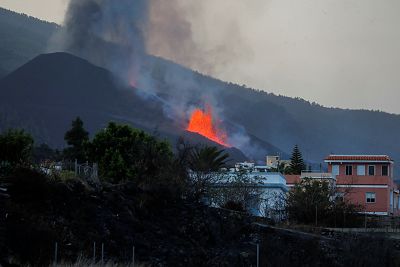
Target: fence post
[(258, 254), (76, 167), (316, 216), (102, 253), (133, 256), (94, 252), (365, 220), (55, 253)]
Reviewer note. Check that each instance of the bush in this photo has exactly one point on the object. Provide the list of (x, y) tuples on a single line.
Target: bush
[(313, 201), (124, 153), (15, 150)]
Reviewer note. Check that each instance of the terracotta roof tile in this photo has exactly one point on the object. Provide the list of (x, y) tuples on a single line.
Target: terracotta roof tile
[(359, 157)]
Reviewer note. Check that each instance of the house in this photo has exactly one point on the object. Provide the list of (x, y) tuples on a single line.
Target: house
[(268, 188), (366, 180)]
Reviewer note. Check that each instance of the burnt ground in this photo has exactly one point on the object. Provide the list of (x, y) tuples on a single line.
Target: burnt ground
[(164, 231)]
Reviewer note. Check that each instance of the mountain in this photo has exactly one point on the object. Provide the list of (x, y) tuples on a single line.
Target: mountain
[(44, 95), (22, 38), (273, 123), (285, 121)]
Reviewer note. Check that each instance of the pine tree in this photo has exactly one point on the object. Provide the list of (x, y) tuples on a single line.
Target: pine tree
[(297, 163), (76, 138)]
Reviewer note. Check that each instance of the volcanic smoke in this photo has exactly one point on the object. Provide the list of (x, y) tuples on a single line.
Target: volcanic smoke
[(201, 122)]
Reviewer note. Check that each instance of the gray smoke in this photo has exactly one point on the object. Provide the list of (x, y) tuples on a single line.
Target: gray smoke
[(107, 33), (118, 35)]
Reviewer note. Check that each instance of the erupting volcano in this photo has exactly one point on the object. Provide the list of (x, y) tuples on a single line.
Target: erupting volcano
[(201, 122)]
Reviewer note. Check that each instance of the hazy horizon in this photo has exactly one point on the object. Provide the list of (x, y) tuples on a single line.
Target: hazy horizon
[(336, 53)]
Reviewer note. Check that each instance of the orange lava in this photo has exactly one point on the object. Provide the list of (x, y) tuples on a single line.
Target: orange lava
[(201, 122)]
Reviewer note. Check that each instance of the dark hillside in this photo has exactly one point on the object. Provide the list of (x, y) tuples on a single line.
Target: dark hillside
[(285, 121), (44, 95), (22, 38), (172, 233), (278, 122)]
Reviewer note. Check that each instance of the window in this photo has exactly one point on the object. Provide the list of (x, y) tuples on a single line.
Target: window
[(385, 170), (349, 170), (370, 197), (360, 169), (371, 170)]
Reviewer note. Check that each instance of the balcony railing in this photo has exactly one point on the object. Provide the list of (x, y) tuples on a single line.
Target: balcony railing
[(317, 175)]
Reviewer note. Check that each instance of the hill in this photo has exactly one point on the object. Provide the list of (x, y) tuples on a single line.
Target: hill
[(44, 95), (22, 38), (277, 122)]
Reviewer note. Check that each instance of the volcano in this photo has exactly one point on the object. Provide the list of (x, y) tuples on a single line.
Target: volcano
[(202, 122), (47, 93)]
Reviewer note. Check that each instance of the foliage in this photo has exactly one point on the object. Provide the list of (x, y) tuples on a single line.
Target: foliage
[(204, 163), (76, 138), (44, 152), (314, 201), (208, 159), (124, 153), (15, 150), (297, 163), (236, 189)]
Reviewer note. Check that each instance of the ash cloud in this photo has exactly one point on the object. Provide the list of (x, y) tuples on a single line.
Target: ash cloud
[(106, 32), (118, 35)]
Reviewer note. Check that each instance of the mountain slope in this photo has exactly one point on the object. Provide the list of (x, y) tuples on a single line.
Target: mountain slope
[(22, 38), (281, 121), (44, 95)]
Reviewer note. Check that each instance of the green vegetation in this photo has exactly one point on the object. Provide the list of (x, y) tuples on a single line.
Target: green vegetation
[(297, 163), (124, 153), (208, 159), (315, 202), (15, 150), (204, 163), (76, 138)]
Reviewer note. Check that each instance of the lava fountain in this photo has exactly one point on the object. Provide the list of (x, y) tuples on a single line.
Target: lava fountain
[(201, 122)]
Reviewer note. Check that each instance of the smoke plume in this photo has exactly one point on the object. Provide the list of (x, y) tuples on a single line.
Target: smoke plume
[(118, 35)]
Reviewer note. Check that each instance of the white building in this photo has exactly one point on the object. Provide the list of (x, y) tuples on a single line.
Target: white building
[(263, 192)]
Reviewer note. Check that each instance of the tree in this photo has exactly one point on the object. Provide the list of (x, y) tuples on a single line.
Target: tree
[(313, 201), (208, 159), (76, 138), (205, 164), (235, 190), (45, 152), (297, 163), (15, 150), (124, 153)]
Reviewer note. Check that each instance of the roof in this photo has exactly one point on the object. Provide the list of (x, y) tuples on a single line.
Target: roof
[(358, 158)]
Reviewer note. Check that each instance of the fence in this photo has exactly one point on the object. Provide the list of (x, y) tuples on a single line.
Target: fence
[(98, 255), (87, 171)]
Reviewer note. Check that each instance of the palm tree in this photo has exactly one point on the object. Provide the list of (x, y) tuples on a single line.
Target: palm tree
[(208, 159), (204, 163)]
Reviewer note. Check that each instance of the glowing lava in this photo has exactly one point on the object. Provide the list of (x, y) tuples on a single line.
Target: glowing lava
[(201, 122)]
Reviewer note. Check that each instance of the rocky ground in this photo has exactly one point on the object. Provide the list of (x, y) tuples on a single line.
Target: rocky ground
[(175, 233), (165, 232)]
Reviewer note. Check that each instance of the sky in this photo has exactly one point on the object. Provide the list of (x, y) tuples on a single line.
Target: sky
[(340, 53)]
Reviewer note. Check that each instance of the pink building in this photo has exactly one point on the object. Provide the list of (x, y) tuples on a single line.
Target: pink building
[(366, 180)]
